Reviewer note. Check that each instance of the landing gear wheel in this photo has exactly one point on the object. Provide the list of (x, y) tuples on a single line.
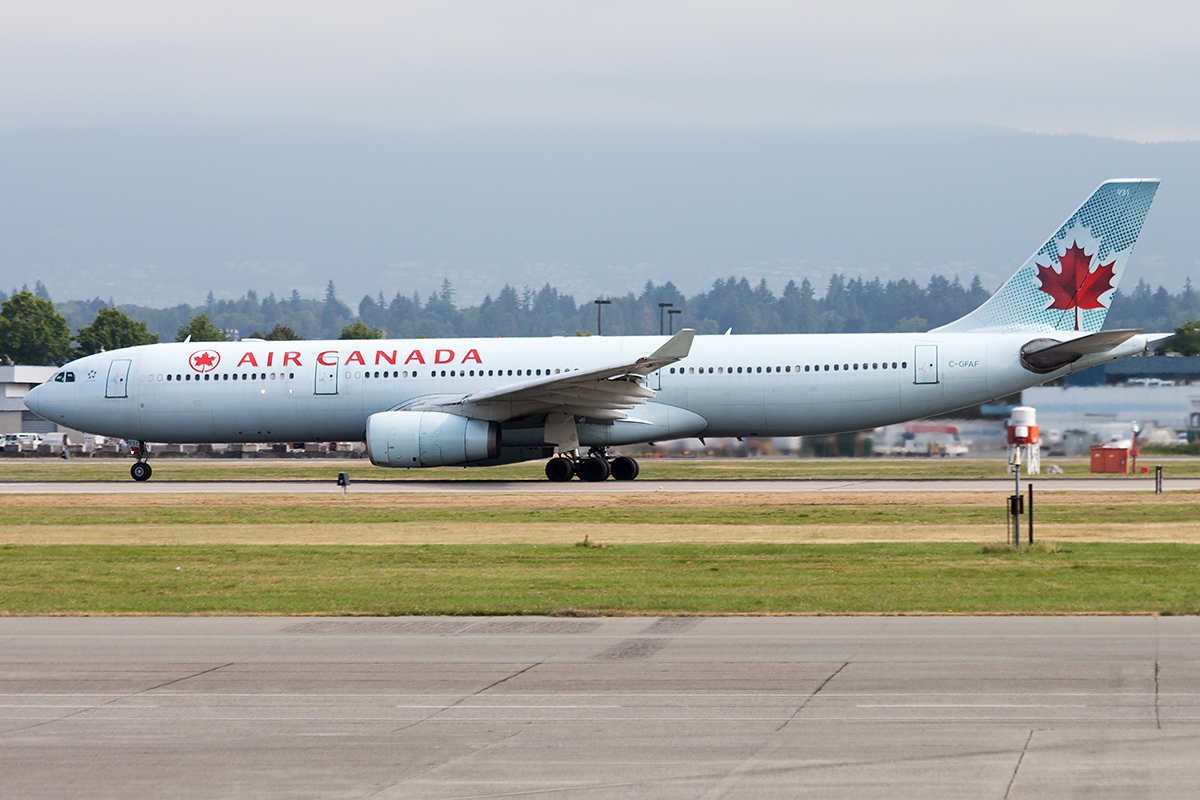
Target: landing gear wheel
[(624, 468), (592, 469), (560, 469), (140, 471)]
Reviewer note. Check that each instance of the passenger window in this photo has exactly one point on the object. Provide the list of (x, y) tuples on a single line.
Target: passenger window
[(806, 368), (168, 377), (903, 365), (856, 366), (760, 369), (875, 366)]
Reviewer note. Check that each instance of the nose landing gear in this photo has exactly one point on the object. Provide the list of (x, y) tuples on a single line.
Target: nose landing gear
[(593, 468), (140, 471)]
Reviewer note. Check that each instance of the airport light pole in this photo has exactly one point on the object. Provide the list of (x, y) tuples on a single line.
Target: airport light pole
[(600, 304), (662, 306), (671, 319)]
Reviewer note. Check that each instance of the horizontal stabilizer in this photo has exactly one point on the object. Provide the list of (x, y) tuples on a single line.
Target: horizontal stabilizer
[(1047, 355)]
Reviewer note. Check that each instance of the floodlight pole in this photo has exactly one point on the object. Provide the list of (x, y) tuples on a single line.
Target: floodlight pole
[(599, 304), (662, 306), (671, 319)]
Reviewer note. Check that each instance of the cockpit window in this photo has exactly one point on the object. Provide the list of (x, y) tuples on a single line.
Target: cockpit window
[(70, 377), (60, 377)]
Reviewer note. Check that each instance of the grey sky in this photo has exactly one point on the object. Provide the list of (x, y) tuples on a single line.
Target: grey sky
[(1119, 69), (151, 152)]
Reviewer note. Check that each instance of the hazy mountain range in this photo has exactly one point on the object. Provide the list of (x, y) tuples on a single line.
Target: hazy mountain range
[(164, 216)]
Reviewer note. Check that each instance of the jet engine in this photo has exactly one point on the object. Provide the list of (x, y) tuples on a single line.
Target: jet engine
[(429, 439)]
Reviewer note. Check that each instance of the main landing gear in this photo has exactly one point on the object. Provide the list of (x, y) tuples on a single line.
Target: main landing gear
[(140, 471), (595, 467)]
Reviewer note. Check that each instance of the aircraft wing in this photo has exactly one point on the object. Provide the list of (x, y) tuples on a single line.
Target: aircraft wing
[(600, 393)]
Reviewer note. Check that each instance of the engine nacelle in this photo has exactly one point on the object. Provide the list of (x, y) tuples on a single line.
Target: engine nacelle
[(429, 439)]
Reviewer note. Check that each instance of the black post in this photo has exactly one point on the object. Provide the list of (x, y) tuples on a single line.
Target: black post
[(599, 303), (1031, 515), (671, 312), (1158, 479), (662, 306)]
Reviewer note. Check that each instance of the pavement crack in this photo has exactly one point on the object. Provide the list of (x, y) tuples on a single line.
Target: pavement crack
[(809, 699), (108, 703), (490, 686), (1157, 716), (180, 680), (465, 698), (1020, 758)]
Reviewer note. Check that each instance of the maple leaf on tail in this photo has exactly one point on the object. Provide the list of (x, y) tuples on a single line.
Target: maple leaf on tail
[(1076, 286)]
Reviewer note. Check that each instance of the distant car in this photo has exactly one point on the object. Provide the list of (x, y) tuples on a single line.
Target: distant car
[(31, 439)]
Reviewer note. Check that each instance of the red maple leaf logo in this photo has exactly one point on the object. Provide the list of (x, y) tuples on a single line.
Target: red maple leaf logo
[(1076, 286), (204, 360)]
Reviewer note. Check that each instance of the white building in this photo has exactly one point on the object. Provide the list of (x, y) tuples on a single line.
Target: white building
[(16, 381), (1106, 411)]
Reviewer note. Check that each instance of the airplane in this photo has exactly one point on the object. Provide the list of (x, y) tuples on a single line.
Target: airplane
[(478, 402)]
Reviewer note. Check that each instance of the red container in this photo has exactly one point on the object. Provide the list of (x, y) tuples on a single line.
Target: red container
[(1111, 459)]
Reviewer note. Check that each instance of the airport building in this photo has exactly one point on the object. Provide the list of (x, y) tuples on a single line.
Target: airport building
[(16, 380)]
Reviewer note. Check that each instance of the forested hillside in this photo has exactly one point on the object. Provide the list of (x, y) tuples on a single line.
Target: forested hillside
[(846, 306)]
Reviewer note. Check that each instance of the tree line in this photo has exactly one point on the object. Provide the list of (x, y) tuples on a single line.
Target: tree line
[(34, 330)]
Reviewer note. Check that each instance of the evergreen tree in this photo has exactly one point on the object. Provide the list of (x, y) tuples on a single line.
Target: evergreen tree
[(201, 329), (111, 330), (280, 333), (359, 330)]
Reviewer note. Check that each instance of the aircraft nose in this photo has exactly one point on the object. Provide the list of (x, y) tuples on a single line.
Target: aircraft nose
[(33, 400)]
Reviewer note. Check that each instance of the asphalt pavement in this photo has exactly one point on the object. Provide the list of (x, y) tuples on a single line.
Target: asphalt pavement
[(955, 707)]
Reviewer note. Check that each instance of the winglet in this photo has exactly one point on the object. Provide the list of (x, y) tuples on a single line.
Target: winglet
[(675, 349)]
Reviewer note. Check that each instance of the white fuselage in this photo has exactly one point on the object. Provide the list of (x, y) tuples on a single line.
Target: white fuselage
[(768, 385)]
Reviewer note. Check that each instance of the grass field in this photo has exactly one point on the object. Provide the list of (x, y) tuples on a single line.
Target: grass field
[(737, 553), (566, 579), (671, 553), (195, 469)]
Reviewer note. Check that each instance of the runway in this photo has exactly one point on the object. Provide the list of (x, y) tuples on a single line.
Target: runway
[(596, 708), (1053, 484)]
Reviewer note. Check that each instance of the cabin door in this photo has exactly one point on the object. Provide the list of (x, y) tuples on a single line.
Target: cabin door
[(118, 378), (327, 375), (925, 362)]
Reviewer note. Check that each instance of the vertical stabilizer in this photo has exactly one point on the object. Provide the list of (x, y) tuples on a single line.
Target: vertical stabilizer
[(1068, 284)]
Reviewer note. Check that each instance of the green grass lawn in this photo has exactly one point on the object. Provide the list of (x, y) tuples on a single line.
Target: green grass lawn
[(195, 469), (633, 579)]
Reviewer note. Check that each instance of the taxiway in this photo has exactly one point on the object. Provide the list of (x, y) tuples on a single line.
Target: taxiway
[(595, 708)]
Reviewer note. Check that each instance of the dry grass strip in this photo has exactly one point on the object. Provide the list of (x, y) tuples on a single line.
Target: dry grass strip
[(417, 533)]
